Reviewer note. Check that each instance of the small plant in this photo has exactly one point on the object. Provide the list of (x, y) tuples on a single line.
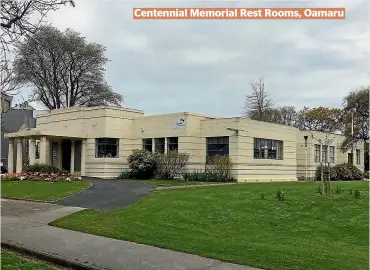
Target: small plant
[(280, 195), (318, 189), (262, 196), (357, 194), (338, 190), (350, 191), (125, 175)]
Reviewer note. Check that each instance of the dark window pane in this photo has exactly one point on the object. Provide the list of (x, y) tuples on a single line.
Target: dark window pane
[(106, 147)]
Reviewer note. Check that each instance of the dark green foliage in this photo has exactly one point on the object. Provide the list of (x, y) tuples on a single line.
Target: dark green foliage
[(357, 194), (350, 191), (280, 195), (366, 175), (262, 196), (338, 190), (318, 189), (339, 172)]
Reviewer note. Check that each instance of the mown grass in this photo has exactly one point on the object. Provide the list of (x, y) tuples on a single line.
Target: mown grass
[(233, 223), (39, 190)]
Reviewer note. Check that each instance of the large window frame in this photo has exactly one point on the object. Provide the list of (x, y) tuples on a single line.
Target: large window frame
[(332, 154), (106, 148), (317, 152), (172, 144), (324, 152), (147, 144), (268, 149), (358, 156), (217, 146)]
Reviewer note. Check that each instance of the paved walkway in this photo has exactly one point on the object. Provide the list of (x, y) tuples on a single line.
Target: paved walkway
[(107, 194), (24, 224)]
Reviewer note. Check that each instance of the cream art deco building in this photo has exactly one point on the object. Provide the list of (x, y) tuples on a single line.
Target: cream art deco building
[(96, 142)]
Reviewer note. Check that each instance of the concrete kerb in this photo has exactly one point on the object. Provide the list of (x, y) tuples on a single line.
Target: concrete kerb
[(52, 258), (45, 201)]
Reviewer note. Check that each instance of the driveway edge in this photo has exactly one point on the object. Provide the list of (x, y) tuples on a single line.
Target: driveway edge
[(48, 257), (43, 201)]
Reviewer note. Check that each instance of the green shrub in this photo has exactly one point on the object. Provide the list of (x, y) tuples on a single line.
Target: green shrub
[(366, 175), (202, 176), (339, 172), (262, 196), (220, 167), (125, 175), (171, 164), (350, 191), (142, 164), (280, 195), (44, 168)]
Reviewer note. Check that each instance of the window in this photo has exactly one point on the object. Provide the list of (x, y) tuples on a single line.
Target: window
[(350, 158), (324, 154), (217, 146), (268, 149), (173, 144), (358, 156), (317, 153), (332, 154), (37, 150), (148, 144), (106, 148), (159, 145)]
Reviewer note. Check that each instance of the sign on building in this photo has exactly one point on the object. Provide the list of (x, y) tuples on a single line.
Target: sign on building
[(180, 123)]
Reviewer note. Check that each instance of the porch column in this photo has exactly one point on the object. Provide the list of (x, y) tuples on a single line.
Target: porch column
[(83, 157), (19, 155), (153, 145), (60, 155), (44, 150), (73, 156), (165, 145), (32, 151), (11, 156)]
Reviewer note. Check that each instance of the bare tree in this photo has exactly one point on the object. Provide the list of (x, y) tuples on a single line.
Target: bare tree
[(325, 140), (258, 102), (18, 19), (64, 70)]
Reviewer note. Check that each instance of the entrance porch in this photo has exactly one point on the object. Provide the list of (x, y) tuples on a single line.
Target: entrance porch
[(63, 151)]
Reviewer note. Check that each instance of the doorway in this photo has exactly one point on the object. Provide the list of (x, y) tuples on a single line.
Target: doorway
[(66, 155)]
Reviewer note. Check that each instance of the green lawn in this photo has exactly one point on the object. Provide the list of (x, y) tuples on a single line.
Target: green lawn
[(232, 223), (169, 183), (39, 190), (13, 261)]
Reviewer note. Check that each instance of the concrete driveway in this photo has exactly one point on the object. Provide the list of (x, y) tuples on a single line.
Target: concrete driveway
[(107, 195)]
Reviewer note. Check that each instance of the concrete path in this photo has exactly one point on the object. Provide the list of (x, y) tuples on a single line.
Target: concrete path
[(107, 194), (24, 225)]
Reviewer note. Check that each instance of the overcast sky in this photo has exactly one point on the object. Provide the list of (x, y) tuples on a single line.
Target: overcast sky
[(206, 66)]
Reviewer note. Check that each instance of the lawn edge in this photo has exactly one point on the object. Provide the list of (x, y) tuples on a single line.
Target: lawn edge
[(47, 257), (194, 186), (47, 201)]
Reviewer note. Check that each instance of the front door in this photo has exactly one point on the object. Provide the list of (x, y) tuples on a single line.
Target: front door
[(66, 155)]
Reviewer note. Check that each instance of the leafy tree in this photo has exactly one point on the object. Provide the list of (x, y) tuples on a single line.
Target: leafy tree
[(321, 119), (356, 104), (64, 70), (20, 18), (258, 102)]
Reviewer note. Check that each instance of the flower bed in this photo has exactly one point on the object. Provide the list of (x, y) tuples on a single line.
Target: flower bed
[(40, 176)]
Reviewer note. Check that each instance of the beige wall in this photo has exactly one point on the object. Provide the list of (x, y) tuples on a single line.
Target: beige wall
[(306, 155), (131, 126)]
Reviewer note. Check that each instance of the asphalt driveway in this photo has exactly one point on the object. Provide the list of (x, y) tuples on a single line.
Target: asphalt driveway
[(107, 195)]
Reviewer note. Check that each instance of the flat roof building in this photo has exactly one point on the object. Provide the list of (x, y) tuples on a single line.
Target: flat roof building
[(96, 142)]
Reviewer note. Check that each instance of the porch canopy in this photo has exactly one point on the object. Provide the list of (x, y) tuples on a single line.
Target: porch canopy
[(46, 137)]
